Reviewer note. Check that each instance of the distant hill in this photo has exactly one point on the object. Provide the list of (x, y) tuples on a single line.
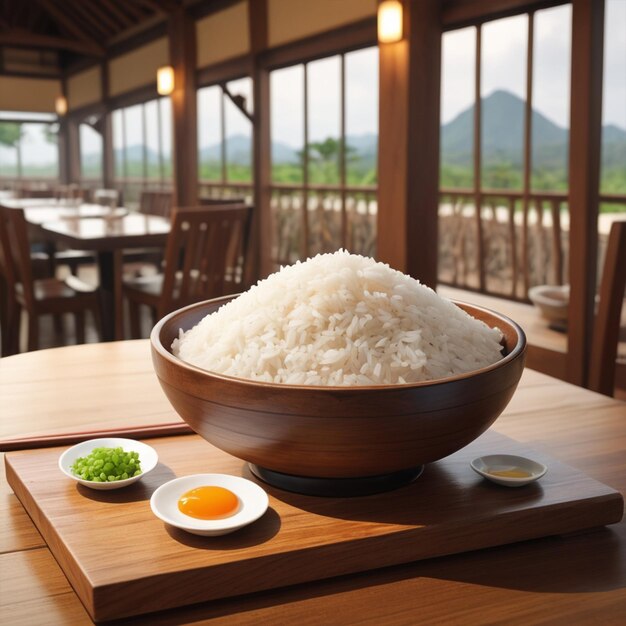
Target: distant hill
[(239, 150), (502, 123), (503, 141)]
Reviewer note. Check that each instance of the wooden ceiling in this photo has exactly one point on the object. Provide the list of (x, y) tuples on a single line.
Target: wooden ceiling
[(78, 28)]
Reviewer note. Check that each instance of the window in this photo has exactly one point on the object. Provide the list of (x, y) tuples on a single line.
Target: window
[(142, 147), (28, 146), (90, 142), (225, 139), (503, 192), (613, 181), (324, 142)]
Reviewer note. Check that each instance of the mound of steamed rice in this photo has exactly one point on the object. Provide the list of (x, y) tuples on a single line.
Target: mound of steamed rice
[(339, 319)]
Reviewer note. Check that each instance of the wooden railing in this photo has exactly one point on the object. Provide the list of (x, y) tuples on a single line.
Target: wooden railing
[(334, 218), (131, 188), (208, 189), (321, 218), (511, 244)]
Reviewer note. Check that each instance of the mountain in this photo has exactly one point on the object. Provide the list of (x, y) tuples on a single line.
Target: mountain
[(502, 132), (502, 121), (239, 150)]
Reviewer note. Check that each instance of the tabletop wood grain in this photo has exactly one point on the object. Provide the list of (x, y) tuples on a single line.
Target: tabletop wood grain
[(578, 579)]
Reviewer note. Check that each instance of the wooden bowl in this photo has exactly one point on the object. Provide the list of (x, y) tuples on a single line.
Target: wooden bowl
[(336, 432)]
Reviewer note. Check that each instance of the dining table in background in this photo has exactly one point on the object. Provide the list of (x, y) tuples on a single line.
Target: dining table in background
[(103, 230), (79, 391)]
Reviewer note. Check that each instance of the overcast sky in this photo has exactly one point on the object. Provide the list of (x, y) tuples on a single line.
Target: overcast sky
[(504, 63)]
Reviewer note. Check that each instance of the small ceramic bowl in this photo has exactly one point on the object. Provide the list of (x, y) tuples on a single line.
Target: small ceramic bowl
[(253, 503), (551, 300), (508, 470), (148, 458)]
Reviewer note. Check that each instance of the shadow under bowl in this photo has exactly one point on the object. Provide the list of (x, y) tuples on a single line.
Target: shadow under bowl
[(336, 432)]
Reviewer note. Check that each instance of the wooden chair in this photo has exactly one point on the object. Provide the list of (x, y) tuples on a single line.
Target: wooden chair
[(156, 203), (606, 328), (204, 258), (47, 296), (150, 203), (220, 201)]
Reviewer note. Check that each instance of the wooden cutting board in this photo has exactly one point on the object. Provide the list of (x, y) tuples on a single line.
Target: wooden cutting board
[(122, 560)]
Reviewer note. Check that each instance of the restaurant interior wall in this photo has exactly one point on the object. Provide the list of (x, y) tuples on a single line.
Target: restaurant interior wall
[(137, 68), (28, 94), (222, 35), (291, 20), (84, 88)]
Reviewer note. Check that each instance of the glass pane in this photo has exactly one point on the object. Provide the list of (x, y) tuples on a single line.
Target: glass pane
[(9, 139), (40, 154), (287, 123), (166, 136), (153, 148), (324, 112), (118, 144), (238, 129), (361, 88), (551, 98), (210, 134), (457, 108), (613, 179), (503, 93), (133, 129), (90, 152)]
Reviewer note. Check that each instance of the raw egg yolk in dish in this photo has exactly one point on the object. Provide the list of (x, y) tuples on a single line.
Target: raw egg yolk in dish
[(208, 503)]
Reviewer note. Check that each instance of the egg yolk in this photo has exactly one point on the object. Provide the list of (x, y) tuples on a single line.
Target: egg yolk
[(208, 503)]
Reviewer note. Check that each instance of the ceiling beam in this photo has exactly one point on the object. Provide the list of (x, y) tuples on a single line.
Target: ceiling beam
[(123, 19), (68, 24), (95, 26), (25, 39), (459, 13), (167, 6)]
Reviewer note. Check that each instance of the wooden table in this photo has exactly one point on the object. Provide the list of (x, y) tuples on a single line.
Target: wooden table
[(567, 580), (108, 237), (107, 233)]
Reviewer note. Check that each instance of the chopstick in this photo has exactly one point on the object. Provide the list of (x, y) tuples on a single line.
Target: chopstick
[(133, 432)]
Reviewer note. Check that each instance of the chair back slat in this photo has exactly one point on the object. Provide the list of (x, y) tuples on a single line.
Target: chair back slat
[(205, 254), (16, 260), (607, 322), (156, 203)]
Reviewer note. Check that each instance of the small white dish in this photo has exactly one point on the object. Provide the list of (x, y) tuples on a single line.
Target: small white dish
[(253, 503), (148, 458), (508, 470)]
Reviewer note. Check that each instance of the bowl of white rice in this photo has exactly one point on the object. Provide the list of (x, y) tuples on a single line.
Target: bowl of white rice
[(338, 375)]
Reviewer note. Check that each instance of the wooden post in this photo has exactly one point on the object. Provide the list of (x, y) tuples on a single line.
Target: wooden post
[(584, 180), (182, 40), (260, 245), (63, 142), (408, 147), (106, 128), (73, 150)]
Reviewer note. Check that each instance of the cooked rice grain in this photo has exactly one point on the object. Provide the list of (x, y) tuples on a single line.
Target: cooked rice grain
[(339, 319)]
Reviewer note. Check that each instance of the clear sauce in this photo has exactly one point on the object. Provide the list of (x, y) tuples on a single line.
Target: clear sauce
[(514, 472)]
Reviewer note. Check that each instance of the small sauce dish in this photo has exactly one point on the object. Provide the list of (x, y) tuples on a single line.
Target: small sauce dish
[(508, 470), (252, 503), (148, 458)]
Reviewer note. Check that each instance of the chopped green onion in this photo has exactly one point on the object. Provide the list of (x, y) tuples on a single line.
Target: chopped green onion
[(107, 465)]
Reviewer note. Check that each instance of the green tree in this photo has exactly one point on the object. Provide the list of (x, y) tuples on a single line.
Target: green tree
[(10, 133), (324, 160)]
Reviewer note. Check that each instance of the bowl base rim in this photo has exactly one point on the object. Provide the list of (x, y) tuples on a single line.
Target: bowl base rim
[(337, 487)]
